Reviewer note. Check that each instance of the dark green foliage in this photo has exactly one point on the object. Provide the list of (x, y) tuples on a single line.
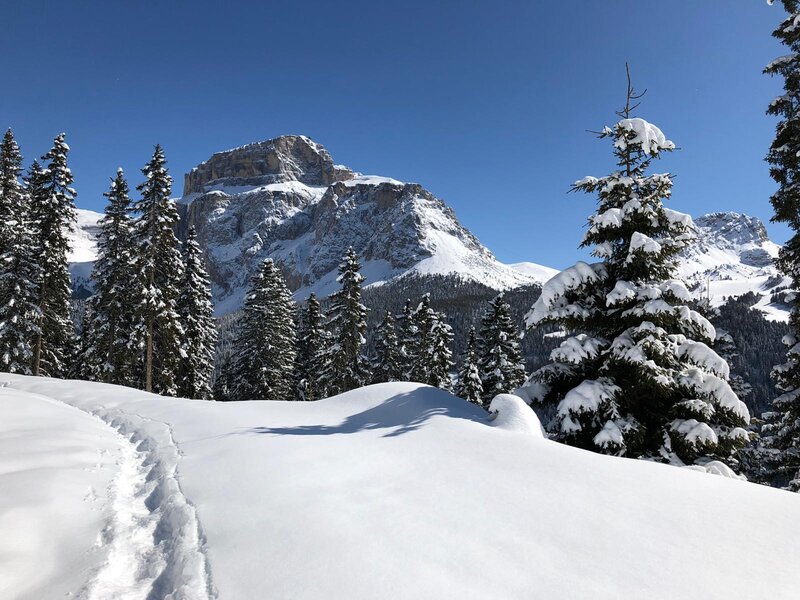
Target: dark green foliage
[(386, 365), (53, 215), (346, 366), (312, 341), (470, 386), (108, 355), (197, 317), (20, 315), (264, 347), (159, 268), (500, 360), (781, 431)]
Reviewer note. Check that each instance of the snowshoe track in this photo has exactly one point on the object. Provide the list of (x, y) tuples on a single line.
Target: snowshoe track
[(154, 543)]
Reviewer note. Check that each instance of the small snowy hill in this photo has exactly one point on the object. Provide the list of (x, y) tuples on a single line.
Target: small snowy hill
[(733, 256), (390, 491)]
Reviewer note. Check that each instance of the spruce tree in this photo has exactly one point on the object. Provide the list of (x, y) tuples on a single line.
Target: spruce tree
[(432, 356), (637, 377), (19, 269), (470, 386), (346, 367), (782, 427), (109, 321), (407, 333), (53, 216), (311, 344), (264, 349), (387, 364), (158, 330), (197, 318), (500, 359)]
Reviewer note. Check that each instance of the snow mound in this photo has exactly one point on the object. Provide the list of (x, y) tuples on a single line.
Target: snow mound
[(716, 467), (510, 412)]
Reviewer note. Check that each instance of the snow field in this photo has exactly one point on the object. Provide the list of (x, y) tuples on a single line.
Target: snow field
[(404, 491)]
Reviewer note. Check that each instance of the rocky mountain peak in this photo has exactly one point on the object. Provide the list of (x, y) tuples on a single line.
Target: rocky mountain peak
[(279, 160), (735, 228)]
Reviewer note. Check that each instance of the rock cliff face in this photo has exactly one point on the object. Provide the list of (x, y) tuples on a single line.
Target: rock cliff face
[(287, 158), (286, 199)]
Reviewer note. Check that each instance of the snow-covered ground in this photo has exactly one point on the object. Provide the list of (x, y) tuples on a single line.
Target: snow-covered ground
[(390, 491)]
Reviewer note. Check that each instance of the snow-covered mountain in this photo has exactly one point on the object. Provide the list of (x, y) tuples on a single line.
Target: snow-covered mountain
[(732, 256), (83, 250), (286, 199)]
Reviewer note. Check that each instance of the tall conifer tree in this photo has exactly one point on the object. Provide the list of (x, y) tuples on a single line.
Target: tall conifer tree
[(346, 367), (264, 357), (53, 211), (311, 343), (197, 318), (19, 268), (109, 322), (160, 273), (387, 363), (470, 386), (781, 431), (500, 358)]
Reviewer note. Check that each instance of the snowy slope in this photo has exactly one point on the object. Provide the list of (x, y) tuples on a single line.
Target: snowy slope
[(538, 272), (83, 248), (733, 256), (399, 491)]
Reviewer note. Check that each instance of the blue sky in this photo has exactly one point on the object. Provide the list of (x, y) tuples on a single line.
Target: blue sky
[(484, 103)]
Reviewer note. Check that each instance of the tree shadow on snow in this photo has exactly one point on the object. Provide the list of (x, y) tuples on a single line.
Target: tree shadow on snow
[(401, 414)]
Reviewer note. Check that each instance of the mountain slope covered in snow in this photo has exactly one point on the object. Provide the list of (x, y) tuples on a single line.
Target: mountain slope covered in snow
[(732, 256), (397, 490)]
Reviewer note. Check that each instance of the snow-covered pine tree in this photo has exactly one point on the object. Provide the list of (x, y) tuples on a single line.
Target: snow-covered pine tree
[(197, 318), (470, 386), (431, 353), (159, 268), (637, 377), (264, 349), (386, 366), (109, 321), (782, 427), (19, 269), (346, 367), (500, 358), (406, 333), (53, 211), (311, 344)]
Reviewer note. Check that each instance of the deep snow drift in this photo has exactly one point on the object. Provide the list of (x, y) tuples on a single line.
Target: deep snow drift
[(390, 491)]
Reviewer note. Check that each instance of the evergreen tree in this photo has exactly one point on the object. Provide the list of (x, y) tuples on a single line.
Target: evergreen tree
[(500, 360), (407, 333), (160, 273), (782, 429), (432, 357), (311, 345), (265, 341), (470, 386), (638, 378), (197, 317), (19, 270), (109, 321), (53, 207), (387, 363), (346, 367)]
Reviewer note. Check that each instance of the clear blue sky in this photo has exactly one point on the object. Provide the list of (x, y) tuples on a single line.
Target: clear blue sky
[(484, 103)]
